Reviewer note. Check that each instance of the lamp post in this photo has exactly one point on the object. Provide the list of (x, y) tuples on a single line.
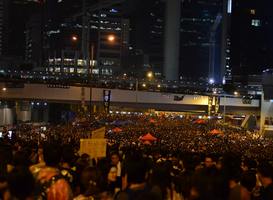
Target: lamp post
[(90, 76), (110, 39), (136, 90), (150, 75), (225, 101)]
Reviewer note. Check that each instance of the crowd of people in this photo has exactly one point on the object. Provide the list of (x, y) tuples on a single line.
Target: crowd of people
[(183, 161)]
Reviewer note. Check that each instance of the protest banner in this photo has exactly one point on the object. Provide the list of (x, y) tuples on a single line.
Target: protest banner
[(96, 148), (98, 133)]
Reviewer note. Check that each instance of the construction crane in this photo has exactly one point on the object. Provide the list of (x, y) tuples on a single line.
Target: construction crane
[(212, 47)]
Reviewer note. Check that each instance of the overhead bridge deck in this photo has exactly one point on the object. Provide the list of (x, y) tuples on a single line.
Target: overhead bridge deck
[(126, 98)]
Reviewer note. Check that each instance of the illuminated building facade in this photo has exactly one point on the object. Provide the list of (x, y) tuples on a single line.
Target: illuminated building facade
[(66, 55)]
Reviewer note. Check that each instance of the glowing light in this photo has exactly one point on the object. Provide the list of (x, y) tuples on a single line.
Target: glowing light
[(4, 89), (111, 38), (74, 38), (236, 93), (224, 80), (211, 81), (150, 74), (143, 85)]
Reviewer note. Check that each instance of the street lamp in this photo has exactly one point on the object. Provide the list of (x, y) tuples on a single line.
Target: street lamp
[(211, 81), (74, 38), (150, 74), (111, 38), (90, 74), (225, 101)]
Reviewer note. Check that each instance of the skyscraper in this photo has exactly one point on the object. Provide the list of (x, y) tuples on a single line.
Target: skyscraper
[(3, 26), (251, 37), (103, 37), (200, 29)]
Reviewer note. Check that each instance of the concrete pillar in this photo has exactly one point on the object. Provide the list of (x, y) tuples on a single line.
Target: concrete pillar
[(172, 35), (45, 115), (23, 111), (6, 116)]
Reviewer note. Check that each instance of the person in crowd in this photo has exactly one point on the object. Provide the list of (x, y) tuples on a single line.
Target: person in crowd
[(115, 160), (136, 173), (68, 170), (89, 184), (248, 182), (209, 162), (249, 165), (112, 182), (21, 185), (207, 183), (162, 185), (36, 167), (51, 184), (265, 174)]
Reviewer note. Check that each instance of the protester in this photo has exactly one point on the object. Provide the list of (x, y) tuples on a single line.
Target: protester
[(178, 160)]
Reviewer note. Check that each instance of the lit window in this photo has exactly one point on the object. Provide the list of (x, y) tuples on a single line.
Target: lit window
[(252, 11), (256, 22), (113, 10)]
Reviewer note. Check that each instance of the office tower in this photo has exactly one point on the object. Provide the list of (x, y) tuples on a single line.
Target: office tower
[(200, 44), (106, 23), (251, 37), (103, 37), (3, 26), (199, 40), (33, 39)]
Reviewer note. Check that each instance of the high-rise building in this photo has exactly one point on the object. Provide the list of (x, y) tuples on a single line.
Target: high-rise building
[(200, 44), (147, 34), (251, 37), (33, 39), (105, 39), (3, 26), (106, 23), (200, 36)]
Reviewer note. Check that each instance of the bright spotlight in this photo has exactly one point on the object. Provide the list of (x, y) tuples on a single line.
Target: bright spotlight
[(211, 81)]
